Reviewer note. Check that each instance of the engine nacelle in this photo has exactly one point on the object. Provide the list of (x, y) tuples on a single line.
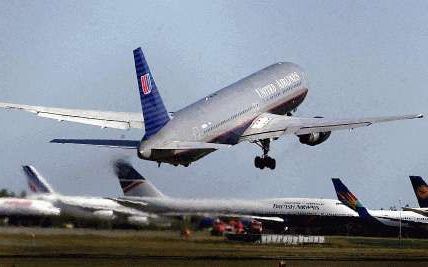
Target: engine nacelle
[(314, 139), (138, 220), (104, 215)]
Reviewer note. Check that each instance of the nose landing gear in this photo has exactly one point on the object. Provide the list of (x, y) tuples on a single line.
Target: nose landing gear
[(264, 161)]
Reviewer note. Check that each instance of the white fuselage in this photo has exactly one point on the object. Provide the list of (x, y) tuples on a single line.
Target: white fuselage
[(280, 207), (27, 207), (396, 217), (92, 208)]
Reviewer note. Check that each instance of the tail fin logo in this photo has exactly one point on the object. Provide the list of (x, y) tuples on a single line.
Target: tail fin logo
[(146, 83), (422, 192), (349, 198), (128, 185), (32, 187)]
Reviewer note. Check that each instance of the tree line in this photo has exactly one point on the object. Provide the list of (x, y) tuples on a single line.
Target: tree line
[(6, 193)]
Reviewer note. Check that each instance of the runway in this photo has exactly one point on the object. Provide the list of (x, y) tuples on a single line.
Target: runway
[(65, 247)]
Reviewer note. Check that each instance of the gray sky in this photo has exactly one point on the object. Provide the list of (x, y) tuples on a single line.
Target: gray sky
[(363, 58)]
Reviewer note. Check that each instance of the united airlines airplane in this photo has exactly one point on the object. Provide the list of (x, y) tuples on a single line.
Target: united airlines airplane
[(256, 109), (141, 194), (81, 207), (393, 218)]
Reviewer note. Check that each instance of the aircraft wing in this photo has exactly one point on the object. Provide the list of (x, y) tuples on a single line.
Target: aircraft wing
[(140, 205), (259, 218), (225, 215), (270, 125), (104, 119), (133, 144), (421, 211), (185, 145), (130, 203), (123, 211)]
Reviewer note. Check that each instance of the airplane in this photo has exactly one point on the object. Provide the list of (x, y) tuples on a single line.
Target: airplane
[(82, 207), (141, 194), (421, 192), (12, 206), (392, 218), (258, 109)]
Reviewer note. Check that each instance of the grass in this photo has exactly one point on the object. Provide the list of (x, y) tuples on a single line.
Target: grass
[(34, 245)]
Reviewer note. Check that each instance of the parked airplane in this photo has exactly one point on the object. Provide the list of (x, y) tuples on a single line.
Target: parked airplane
[(82, 207), (421, 192), (257, 109), (26, 207), (392, 218), (141, 194)]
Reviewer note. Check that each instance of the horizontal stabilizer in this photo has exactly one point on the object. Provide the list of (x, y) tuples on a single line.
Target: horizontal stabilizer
[(125, 144), (104, 119)]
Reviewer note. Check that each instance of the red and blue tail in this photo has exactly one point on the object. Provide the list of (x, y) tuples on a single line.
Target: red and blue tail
[(154, 111), (133, 184), (36, 183)]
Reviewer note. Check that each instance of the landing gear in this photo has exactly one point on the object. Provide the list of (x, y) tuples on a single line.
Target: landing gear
[(264, 161)]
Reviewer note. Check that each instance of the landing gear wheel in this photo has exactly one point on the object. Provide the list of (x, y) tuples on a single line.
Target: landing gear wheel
[(270, 163), (264, 161), (258, 162)]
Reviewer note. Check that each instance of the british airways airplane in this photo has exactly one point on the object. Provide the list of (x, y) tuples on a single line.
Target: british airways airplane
[(141, 194), (256, 109)]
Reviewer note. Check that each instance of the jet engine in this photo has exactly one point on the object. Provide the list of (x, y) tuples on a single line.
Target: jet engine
[(104, 214), (314, 139), (138, 220)]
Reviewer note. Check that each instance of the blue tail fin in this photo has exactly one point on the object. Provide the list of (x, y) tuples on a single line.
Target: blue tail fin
[(421, 190), (346, 197), (36, 183), (154, 111), (133, 184)]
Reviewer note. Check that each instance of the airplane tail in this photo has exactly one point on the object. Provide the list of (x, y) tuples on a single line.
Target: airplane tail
[(154, 111), (346, 197), (421, 190), (133, 183), (36, 183)]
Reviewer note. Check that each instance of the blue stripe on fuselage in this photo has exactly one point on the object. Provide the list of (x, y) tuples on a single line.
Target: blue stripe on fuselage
[(232, 136)]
